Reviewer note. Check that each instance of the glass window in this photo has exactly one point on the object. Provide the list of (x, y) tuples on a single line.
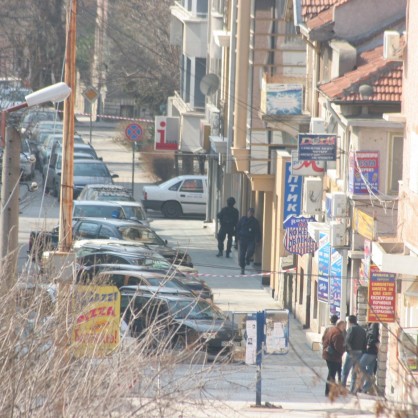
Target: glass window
[(192, 186), (408, 348), (87, 230), (175, 187), (106, 232)]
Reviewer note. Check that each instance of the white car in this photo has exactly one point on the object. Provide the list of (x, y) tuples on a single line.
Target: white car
[(179, 196)]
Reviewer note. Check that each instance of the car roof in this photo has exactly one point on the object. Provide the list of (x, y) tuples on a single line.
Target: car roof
[(105, 186), (157, 290), (96, 203), (118, 222), (127, 203)]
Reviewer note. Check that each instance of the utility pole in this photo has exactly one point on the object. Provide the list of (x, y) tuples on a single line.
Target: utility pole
[(67, 176)]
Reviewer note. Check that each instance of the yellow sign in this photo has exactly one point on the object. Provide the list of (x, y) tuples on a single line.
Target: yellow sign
[(96, 320), (364, 224)]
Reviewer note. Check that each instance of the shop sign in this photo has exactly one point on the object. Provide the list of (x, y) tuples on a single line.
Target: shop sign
[(363, 224), (317, 147), (96, 320), (335, 282), (382, 297), (306, 168), (292, 193), (167, 133), (281, 99), (363, 173), (296, 238), (324, 249)]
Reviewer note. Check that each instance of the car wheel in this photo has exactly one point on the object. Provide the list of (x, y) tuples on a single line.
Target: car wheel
[(172, 210)]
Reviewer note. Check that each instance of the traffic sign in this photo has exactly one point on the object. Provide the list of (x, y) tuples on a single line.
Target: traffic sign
[(91, 94), (134, 132)]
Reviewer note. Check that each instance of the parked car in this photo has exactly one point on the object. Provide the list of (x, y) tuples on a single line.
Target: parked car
[(176, 197), (35, 114), (106, 192), (184, 322), (98, 209), (27, 161), (46, 148), (88, 172), (196, 285), (120, 229)]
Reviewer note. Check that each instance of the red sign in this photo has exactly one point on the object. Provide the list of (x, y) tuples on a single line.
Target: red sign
[(382, 297), (166, 133)]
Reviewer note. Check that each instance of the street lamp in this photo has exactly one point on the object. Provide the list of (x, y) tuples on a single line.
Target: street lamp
[(9, 210)]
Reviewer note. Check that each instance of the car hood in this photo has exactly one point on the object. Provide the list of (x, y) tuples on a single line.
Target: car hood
[(166, 251)]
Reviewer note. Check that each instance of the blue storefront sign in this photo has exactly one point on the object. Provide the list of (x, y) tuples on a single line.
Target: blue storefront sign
[(292, 193), (336, 272), (296, 238), (324, 250), (317, 147), (363, 174)]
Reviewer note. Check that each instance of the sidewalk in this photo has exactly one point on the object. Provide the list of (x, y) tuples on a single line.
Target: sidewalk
[(294, 381)]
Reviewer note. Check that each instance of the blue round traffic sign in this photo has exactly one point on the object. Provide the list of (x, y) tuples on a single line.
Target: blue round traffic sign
[(134, 131)]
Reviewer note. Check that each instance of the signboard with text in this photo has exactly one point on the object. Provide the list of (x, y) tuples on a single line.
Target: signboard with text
[(167, 133), (323, 266), (306, 168), (335, 282), (292, 193), (281, 99), (363, 173), (296, 238), (317, 147), (382, 297)]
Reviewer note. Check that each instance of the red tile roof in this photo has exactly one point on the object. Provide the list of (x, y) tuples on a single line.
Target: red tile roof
[(312, 8), (372, 69)]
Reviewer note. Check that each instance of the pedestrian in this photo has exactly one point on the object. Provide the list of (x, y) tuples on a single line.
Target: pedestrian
[(248, 234), (355, 345), (228, 219), (368, 361), (332, 352), (333, 320)]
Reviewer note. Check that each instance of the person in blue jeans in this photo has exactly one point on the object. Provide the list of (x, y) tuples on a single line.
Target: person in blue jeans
[(368, 361), (248, 234), (355, 345)]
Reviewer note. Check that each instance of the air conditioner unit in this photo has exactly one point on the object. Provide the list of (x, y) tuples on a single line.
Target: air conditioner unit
[(317, 126), (312, 196), (338, 234), (339, 205), (392, 49)]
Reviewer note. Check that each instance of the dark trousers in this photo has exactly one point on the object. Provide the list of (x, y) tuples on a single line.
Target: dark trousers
[(334, 368), (246, 251), (222, 234)]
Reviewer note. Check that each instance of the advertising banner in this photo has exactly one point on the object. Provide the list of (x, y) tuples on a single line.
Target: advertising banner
[(281, 99), (292, 193), (363, 173), (317, 147), (306, 168), (335, 282), (167, 133), (96, 311), (324, 251), (296, 238), (382, 297)]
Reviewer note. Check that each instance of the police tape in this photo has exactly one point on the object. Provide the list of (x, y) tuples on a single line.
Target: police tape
[(114, 117)]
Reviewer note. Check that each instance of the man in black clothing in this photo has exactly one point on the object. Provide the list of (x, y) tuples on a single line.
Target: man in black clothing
[(249, 234), (228, 219), (355, 344)]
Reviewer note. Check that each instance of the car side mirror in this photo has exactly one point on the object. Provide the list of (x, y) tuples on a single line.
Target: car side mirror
[(100, 158), (115, 176)]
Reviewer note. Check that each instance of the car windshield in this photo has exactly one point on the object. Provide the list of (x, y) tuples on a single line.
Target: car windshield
[(108, 196), (153, 281), (153, 263), (147, 236), (135, 212), (193, 309), (88, 169)]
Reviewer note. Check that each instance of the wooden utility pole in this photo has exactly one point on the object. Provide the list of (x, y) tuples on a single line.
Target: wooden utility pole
[(67, 180)]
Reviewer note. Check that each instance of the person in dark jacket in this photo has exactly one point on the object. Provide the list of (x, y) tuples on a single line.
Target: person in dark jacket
[(249, 234), (368, 360), (332, 352), (228, 219), (355, 345)]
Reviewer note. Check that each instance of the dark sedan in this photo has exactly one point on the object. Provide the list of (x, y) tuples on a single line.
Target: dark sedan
[(96, 228)]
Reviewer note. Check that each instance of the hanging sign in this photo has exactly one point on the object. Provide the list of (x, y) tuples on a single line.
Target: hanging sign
[(296, 238)]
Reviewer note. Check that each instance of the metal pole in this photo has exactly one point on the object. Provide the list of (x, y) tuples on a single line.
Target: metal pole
[(91, 123), (259, 358), (9, 227), (133, 166)]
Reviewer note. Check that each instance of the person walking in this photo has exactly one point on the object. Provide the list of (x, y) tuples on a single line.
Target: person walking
[(368, 360), (248, 234), (333, 321), (355, 345), (332, 352), (228, 219)]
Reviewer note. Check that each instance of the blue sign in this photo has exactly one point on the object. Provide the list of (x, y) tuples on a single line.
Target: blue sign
[(336, 278), (363, 173), (292, 193), (134, 131), (296, 238), (317, 147), (283, 99), (324, 252)]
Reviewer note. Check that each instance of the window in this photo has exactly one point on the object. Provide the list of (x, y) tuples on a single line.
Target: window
[(175, 187), (192, 186), (106, 232), (408, 348), (395, 163), (87, 230)]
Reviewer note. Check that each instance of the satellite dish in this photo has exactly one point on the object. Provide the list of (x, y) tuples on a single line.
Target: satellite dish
[(209, 84)]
